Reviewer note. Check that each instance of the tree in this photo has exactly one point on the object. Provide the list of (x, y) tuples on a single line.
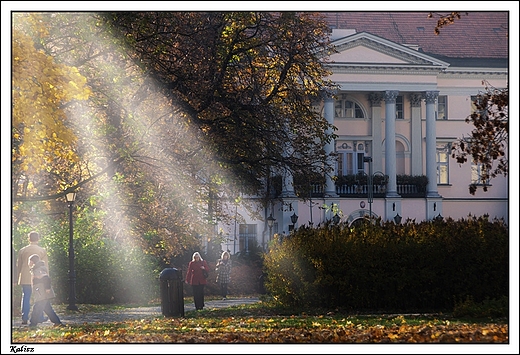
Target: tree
[(245, 80), (487, 144), (163, 166), (43, 144)]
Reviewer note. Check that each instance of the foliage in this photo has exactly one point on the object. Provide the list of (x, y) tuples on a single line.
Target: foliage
[(44, 154), (242, 79), (361, 179), (263, 324), (163, 150), (384, 266), (107, 270), (421, 181), (444, 20), (488, 308), (488, 142)]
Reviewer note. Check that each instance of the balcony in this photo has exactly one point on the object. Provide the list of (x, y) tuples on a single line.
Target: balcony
[(356, 186)]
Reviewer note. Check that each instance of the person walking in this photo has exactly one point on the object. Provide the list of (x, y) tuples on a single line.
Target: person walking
[(223, 269), (43, 292), (24, 273), (196, 276)]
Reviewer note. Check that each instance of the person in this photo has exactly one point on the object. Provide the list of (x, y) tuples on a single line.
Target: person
[(24, 273), (195, 277), (14, 282), (43, 292), (223, 269)]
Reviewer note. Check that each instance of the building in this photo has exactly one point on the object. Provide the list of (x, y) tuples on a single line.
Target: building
[(403, 99)]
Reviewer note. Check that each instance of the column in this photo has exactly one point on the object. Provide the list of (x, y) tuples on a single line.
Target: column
[(328, 112), (431, 143), (390, 170), (287, 185), (416, 135), (377, 137)]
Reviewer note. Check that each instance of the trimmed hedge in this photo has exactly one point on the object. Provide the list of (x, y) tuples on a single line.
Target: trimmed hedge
[(428, 266)]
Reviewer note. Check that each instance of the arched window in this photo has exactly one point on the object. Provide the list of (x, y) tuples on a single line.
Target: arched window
[(348, 109)]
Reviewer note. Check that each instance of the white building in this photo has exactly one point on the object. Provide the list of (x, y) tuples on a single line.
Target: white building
[(400, 107)]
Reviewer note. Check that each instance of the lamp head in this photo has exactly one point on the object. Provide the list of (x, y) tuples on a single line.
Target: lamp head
[(70, 196), (270, 220)]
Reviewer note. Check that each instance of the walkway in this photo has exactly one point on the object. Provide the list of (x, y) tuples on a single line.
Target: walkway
[(136, 313)]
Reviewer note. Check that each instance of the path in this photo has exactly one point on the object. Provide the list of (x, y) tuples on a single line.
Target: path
[(136, 313)]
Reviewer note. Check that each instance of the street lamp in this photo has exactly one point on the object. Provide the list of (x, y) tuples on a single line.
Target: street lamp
[(70, 197), (270, 222), (336, 219), (370, 196), (397, 219), (439, 218), (294, 219)]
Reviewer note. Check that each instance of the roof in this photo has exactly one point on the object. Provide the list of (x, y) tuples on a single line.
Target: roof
[(475, 35)]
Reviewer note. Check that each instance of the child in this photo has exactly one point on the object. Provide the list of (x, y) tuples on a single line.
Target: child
[(42, 293), (224, 273)]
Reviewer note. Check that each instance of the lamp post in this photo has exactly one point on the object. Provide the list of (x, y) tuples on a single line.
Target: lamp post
[(336, 219), (370, 197), (270, 222), (294, 219), (70, 197), (397, 219)]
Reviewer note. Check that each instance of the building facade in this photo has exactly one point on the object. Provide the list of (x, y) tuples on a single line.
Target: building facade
[(398, 111)]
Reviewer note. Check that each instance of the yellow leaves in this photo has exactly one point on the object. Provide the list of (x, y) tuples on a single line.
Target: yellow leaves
[(262, 330), (40, 87)]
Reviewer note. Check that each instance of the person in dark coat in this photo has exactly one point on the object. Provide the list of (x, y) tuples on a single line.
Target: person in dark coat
[(223, 270), (43, 292), (196, 276)]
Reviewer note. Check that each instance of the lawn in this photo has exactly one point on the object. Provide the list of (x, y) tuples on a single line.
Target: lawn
[(264, 323)]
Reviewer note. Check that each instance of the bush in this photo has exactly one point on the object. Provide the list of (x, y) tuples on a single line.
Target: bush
[(489, 308), (389, 267)]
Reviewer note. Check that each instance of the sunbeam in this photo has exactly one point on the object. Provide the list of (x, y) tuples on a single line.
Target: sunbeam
[(162, 193)]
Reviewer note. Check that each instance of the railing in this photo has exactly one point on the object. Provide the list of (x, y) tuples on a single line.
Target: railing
[(360, 189), (409, 190)]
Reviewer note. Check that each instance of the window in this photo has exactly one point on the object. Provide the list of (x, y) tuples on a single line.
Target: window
[(399, 107), (477, 169), (442, 108), (348, 109), (247, 237), (350, 163), (443, 164)]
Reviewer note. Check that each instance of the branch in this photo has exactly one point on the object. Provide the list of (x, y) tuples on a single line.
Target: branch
[(109, 167)]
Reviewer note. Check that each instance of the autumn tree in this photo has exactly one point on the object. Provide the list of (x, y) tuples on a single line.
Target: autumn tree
[(144, 194), (166, 142), (486, 146), (245, 80), (43, 144)]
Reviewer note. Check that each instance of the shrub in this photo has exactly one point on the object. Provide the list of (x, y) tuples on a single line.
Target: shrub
[(488, 308), (388, 267)]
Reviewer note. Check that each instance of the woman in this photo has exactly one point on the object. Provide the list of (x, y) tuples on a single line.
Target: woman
[(195, 277), (224, 273)]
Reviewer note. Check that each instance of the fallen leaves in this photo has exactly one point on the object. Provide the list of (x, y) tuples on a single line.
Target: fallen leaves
[(269, 330)]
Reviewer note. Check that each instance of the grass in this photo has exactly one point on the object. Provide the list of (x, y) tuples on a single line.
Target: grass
[(269, 323)]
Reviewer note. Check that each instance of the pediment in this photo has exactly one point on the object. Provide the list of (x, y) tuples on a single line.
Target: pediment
[(366, 49)]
